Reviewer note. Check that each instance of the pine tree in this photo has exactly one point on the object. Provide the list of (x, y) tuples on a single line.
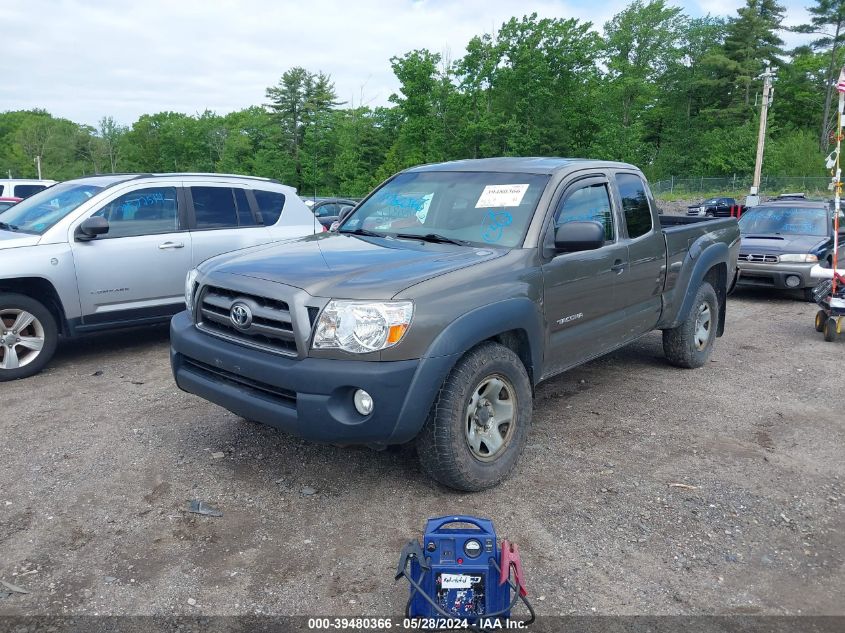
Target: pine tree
[(828, 22)]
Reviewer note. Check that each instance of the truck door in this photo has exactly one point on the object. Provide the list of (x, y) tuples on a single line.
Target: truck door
[(137, 270), (579, 287), (639, 290)]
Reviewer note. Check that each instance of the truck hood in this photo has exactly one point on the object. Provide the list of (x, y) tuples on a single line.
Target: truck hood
[(11, 239), (350, 266), (777, 244)]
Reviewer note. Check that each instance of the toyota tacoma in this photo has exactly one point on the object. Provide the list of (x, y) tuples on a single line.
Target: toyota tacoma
[(443, 299)]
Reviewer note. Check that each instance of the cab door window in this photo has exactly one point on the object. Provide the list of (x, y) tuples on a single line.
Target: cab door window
[(590, 203), (142, 212)]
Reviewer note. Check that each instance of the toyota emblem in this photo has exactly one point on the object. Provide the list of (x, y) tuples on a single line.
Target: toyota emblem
[(240, 315)]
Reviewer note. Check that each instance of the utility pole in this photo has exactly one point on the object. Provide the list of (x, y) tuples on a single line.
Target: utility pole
[(754, 195), (38, 165)]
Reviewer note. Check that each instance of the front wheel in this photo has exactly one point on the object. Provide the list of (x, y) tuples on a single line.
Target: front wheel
[(689, 345), (821, 317), (28, 336), (831, 329), (478, 425)]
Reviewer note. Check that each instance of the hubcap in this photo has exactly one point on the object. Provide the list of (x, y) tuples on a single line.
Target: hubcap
[(21, 338), (702, 326), (490, 421)]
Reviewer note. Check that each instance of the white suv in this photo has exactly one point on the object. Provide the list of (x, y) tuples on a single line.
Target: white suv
[(113, 251), (22, 188)]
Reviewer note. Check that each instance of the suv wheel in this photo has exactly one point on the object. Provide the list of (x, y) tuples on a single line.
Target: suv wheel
[(478, 425), (28, 336), (690, 344)]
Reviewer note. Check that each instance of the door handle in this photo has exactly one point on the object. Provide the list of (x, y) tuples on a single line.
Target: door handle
[(618, 267), (170, 245)]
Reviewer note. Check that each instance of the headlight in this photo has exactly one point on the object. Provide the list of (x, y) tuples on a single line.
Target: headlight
[(362, 326), (190, 284), (796, 257)]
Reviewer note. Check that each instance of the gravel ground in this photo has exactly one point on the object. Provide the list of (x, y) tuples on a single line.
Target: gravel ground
[(101, 455)]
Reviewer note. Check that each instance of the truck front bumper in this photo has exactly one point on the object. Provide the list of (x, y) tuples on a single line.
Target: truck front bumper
[(309, 397), (776, 275)]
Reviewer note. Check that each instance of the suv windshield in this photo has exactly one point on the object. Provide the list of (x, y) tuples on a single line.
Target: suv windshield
[(784, 221), (486, 208), (42, 210)]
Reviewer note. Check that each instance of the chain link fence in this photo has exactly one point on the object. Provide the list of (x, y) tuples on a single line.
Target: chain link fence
[(769, 185)]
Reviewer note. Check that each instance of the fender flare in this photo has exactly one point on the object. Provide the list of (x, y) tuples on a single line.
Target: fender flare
[(460, 336), (704, 259), (488, 321)]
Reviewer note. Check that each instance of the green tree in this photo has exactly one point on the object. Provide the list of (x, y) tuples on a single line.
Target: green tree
[(828, 24), (299, 104)]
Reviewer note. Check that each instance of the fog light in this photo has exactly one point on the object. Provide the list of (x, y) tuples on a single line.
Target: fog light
[(793, 281), (363, 402)]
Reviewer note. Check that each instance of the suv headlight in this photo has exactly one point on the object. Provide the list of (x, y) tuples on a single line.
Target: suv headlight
[(798, 257), (190, 286), (362, 326)]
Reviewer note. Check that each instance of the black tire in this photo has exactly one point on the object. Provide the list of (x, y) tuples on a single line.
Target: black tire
[(821, 317), (709, 214), (808, 294), (42, 327), (443, 445), (682, 345), (830, 332)]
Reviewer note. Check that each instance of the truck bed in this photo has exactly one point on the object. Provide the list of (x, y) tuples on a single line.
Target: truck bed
[(687, 237)]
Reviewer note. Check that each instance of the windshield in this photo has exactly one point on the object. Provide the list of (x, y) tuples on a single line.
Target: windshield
[(784, 221), (487, 208), (42, 210)]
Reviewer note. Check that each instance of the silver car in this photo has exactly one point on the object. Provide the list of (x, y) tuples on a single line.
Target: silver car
[(113, 251)]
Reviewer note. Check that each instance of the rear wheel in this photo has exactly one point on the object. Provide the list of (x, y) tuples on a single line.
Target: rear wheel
[(28, 336), (478, 425), (689, 345)]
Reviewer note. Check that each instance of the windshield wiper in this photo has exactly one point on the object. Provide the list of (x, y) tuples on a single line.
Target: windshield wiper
[(364, 232), (9, 227), (434, 237)]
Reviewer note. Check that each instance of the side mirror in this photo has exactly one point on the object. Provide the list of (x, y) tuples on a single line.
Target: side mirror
[(579, 236), (91, 228)]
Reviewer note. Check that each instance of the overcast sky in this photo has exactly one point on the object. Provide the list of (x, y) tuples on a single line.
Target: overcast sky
[(83, 60)]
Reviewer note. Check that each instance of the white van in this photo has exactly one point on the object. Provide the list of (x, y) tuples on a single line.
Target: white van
[(21, 187)]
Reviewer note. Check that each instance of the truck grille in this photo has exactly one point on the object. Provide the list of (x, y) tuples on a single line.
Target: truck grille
[(264, 323), (758, 258)]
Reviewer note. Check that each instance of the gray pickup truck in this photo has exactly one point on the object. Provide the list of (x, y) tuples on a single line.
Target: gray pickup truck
[(443, 299)]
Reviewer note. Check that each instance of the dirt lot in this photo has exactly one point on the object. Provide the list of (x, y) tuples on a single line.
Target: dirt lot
[(101, 454)]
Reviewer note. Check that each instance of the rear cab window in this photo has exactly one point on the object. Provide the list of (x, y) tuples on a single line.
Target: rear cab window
[(635, 204)]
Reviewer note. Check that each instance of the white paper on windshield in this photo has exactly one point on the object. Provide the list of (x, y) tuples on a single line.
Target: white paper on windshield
[(422, 213), (501, 196), (455, 581)]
